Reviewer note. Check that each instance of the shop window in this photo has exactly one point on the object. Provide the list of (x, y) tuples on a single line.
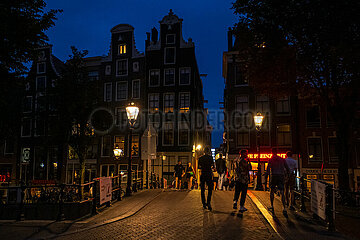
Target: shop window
[(169, 77), (122, 49), (283, 135), (136, 89), (169, 55), (41, 68), (170, 38), (185, 74), (313, 116), (184, 134), (184, 102), (283, 105), (168, 134), (169, 102), (122, 67), (153, 102), (242, 104), (121, 91), (135, 145), (333, 150), (107, 92), (154, 78), (106, 146), (314, 149), (40, 83), (242, 138)]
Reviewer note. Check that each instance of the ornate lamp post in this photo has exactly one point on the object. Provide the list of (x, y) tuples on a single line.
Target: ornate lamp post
[(132, 112), (258, 120)]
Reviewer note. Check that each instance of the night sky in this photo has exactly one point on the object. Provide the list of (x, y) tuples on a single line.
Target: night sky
[(86, 24)]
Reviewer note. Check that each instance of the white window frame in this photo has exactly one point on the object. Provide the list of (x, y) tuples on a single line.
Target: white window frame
[(277, 134), (136, 66), (105, 87), (168, 69), (158, 70), (132, 88), (189, 101), (308, 152), (165, 55), (158, 95), (180, 76), (117, 67), (22, 128), (38, 77), (102, 144), (180, 124), (168, 93), (31, 104), (236, 104), (38, 69), (108, 70), (117, 99), (283, 100), (163, 134), (166, 39)]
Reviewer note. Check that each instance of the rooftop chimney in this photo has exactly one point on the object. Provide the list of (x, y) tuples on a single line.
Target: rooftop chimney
[(154, 35), (230, 39)]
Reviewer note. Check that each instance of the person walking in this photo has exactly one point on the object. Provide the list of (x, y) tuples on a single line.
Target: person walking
[(242, 166), (221, 169), (206, 166), (178, 173), (277, 168), (189, 175), (290, 180)]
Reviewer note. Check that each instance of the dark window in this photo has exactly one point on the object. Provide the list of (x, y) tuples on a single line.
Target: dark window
[(94, 75), (121, 91), (283, 135), (283, 106), (107, 92), (168, 133), (239, 77), (169, 77), (242, 104), (28, 104), (313, 116), (39, 127), (40, 84), (169, 102), (170, 38), (153, 103), (154, 78), (262, 104), (41, 68), (122, 67), (136, 89), (40, 103), (242, 138), (184, 134), (106, 146), (9, 146), (315, 149), (185, 76), (333, 150), (169, 55)]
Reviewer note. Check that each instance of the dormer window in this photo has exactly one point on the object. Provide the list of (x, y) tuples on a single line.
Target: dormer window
[(41, 67), (122, 49), (170, 39)]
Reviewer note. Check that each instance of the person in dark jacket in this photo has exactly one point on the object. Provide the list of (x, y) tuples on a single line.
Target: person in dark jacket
[(206, 166), (178, 173), (221, 169)]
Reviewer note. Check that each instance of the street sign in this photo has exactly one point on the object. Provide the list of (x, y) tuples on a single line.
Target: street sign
[(105, 189), (318, 198)]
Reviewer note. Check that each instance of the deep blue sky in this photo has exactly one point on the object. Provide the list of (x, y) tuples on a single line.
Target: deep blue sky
[(86, 24)]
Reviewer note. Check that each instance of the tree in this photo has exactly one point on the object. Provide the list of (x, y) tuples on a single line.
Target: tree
[(22, 28), (77, 99), (326, 44)]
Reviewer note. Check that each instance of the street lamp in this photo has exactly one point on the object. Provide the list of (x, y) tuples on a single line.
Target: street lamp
[(258, 120), (132, 112)]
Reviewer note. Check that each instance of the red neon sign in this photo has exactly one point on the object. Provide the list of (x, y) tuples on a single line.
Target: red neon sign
[(264, 156), (5, 177)]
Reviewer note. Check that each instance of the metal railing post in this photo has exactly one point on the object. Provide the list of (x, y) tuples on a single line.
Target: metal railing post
[(94, 203), (302, 185), (61, 215), (119, 192), (329, 208)]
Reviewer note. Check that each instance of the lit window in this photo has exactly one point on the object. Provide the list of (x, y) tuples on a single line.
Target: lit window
[(153, 103), (119, 142), (169, 102), (184, 102), (169, 78), (154, 78), (314, 149), (122, 49), (185, 76), (135, 145)]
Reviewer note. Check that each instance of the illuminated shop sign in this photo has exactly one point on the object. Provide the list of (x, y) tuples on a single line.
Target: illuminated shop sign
[(5, 177), (264, 156)]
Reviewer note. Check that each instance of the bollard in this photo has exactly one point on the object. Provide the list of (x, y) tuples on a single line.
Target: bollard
[(302, 185), (329, 208), (61, 215), (21, 216), (119, 192), (94, 203)]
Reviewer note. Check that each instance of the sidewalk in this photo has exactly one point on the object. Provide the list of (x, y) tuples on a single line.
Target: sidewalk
[(38, 229), (298, 225)]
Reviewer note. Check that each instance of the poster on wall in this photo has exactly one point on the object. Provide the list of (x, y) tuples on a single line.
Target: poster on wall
[(105, 189), (318, 198)]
